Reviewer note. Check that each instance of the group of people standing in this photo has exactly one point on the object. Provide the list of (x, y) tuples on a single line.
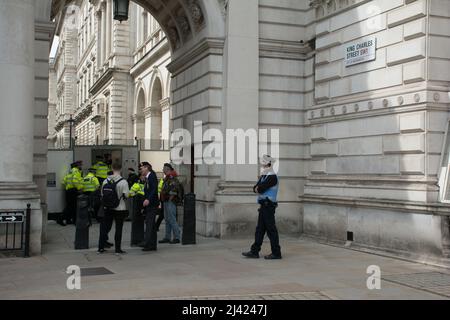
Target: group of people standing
[(76, 184), (108, 193), (150, 199)]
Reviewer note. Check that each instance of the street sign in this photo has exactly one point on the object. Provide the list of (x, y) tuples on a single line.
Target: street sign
[(361, 51), (12, 217)]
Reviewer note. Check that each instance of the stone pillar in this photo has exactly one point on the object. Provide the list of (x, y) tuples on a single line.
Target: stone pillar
[(103, 39), (108, 28), (235, 210), (98, 23), (155, 127), (242, 78), (17, 62)]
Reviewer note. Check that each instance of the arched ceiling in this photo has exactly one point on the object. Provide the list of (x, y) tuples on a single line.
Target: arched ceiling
[(179, 19)]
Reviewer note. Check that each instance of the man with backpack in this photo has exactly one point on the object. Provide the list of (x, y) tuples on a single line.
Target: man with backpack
[(114, 192), (171, 195)]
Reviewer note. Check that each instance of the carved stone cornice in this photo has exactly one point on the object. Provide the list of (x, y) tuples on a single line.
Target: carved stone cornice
[(164, 103), (196, 14), (152, 112), (82, 114), (326, 8), (204, 48)]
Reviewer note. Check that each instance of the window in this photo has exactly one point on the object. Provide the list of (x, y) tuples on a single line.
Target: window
[(145, 25), (444, 170)]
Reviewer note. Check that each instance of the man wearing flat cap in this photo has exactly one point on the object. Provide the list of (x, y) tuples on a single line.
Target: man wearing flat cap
[(267, 189)]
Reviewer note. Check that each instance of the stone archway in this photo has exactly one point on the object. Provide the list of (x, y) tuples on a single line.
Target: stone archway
[(208, 83)]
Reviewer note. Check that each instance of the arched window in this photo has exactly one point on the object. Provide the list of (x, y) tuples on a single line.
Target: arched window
[(139, 127), (156, 115)]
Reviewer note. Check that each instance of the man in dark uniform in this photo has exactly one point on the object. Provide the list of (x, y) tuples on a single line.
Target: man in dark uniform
[(267, 188), (150, 205)]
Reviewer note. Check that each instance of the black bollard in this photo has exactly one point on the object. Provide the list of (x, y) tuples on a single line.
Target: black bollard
[(83, 223), (137, 221), (189, 231)]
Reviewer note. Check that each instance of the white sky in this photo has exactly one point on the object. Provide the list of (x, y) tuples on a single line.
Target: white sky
[(54, 47)]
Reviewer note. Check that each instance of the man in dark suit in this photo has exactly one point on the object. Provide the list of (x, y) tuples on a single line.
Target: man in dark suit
[(150, 205)]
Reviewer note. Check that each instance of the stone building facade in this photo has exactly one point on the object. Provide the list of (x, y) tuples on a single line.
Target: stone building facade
[(63, 68), (358, 89), (377, 129), (117, 88)]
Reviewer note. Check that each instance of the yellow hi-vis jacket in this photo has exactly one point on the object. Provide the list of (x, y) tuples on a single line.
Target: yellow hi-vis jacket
[(90, 183), (160, 185), (137, 188), (73, 179), (101, 170)]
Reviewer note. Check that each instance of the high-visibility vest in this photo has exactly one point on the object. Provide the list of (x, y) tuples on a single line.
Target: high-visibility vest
[(90, 183), (77, 179), (101, 170), (68, 181), (160, 185), (137, 188)]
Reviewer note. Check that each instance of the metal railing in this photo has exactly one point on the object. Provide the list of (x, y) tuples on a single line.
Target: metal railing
[(142, 144), (15, 231)]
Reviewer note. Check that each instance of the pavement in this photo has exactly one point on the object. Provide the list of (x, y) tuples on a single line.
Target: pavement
[(214, 269)]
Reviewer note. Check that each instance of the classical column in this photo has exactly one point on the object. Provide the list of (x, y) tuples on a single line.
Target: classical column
[(17, 81), (242, 79), (103, 33), (16, 90), (98, 16), (108, 28)]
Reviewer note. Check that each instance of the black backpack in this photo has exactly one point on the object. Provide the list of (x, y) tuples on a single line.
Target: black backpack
[(109, 194)]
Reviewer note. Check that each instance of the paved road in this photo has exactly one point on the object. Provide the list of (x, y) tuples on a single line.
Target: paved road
[(214, 269)]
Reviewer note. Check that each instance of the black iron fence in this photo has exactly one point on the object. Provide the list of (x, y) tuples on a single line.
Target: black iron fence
[(15, 231)]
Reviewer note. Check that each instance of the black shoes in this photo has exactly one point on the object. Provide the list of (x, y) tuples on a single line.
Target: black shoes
[(174, 241), (149, 249), (256, 256), (61, 223), (109, 245), (120, 252), (101, 251), (251, 255), (272, 257)]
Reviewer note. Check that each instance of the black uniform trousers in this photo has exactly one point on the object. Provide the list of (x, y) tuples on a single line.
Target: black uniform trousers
[(106, 225), (266, 223), (150, 239)]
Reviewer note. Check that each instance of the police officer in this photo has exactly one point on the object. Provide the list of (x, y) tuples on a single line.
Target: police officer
[(132, 177), (72, 183), (101, 169), (137, 225), (267, 189), (90, 187)]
